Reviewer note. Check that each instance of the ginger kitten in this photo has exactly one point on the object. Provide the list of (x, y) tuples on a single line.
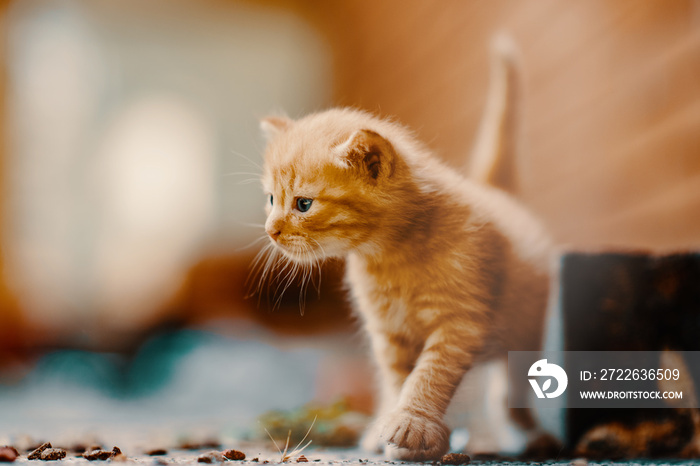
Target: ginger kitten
[(443, 271)]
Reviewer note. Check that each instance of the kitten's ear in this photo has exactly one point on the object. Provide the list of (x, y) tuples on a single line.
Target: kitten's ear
[(273, 126), (369, 152)]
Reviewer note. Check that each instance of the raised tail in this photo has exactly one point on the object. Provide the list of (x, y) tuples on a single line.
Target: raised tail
[(493, 158)]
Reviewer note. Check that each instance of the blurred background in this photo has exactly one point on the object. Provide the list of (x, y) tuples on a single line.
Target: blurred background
[(130, 156)]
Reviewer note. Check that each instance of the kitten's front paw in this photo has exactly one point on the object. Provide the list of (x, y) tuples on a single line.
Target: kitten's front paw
[(371, 441), (411, 437)]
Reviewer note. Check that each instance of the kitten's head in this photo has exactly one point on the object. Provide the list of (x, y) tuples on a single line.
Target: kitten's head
[(328, 179)]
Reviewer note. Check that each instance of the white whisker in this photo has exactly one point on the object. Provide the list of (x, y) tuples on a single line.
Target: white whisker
[(249, 181), (252, 243), (276, 272), (242, 173), (319, 262), (257, 265), (247, 159)]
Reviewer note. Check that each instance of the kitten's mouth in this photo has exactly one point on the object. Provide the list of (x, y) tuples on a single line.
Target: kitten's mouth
[(297, 252)]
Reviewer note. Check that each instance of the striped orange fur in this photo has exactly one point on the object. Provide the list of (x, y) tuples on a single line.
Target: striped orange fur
[(443, 271)]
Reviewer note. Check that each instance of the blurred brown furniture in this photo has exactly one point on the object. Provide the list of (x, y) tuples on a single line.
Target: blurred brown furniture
[(12, 331)]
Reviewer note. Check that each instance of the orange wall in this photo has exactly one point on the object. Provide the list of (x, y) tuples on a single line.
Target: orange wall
[(611, 101)]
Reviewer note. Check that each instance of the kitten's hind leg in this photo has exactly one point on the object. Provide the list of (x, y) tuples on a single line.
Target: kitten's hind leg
[(540, 445)]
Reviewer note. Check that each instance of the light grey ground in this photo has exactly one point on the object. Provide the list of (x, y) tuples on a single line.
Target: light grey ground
[(321, 457), (216, 389)]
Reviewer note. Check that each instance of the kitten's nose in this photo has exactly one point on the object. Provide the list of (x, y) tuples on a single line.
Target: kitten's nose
[(274, 233)]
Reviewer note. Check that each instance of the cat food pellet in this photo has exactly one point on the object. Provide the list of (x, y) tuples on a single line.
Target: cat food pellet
[(157, 452), (302, 459), (117, 454), (455, 458), (83, 447), (210, 457), (98, 455), (234, 455), (52, 454), (36, 454), (255, 460), (8, 454), (159, 462)]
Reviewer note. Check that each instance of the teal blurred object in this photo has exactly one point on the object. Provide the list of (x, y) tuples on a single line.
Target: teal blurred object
[(100, 371), (174, 382), (118, 375), (155, 362)]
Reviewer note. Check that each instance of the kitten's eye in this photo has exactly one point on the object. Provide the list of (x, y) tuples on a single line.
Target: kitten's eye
[(271, 199), (304, 204)]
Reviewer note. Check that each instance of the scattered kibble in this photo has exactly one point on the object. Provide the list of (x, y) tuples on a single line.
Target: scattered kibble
[(210, 457), (81, 448), (8, 454), (52, 454), (455, 458), (99, 455), (117, 455), (302, 459), (157, 452), (234, 455), (36, 454)]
